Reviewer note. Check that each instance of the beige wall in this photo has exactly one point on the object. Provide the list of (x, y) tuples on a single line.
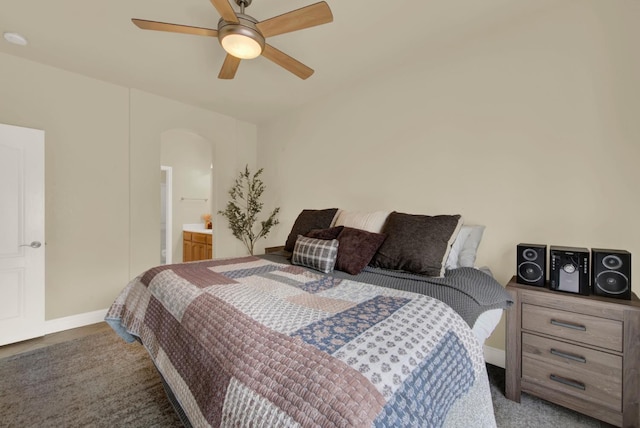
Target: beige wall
[(234, 145), (102, 175), (530, 128), (86, 179)]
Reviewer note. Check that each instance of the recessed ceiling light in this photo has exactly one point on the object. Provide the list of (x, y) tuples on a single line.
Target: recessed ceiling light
[(15, 38)]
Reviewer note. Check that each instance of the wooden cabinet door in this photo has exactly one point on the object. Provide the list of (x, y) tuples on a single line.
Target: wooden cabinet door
[(198, 251), (196, 246), (186, 251), (187, 255)]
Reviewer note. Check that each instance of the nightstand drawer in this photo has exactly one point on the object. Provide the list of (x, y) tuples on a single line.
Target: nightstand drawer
[(567, 382), (596, 331), (573, 368)]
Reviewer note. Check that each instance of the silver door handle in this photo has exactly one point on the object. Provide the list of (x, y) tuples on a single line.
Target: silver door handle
[(34, 244)]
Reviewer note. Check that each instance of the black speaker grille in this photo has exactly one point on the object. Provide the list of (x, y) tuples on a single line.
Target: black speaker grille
[(612, 282), (530, 272), (612, 262), (531, 267), (530, 254), (611, 273)]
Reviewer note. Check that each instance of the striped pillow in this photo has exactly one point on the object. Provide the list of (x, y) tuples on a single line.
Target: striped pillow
[(318, 254)]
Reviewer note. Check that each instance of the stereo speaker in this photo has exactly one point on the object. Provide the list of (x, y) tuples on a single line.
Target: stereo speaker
[(569, 269), (611, 273), (531, 264)]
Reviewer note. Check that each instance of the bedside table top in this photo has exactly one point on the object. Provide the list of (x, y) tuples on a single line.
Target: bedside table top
[(634, 302)]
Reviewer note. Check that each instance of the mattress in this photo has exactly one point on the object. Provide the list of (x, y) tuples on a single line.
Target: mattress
[(486, 323)]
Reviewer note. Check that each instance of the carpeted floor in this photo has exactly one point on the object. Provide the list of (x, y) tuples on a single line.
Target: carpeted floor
[(94, 381), (100, 381), (532, 412)]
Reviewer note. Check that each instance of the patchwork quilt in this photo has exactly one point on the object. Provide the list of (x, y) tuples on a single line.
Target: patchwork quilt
[(250, 342)]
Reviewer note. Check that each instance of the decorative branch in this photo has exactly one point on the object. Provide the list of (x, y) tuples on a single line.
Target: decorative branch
[(243, 208)]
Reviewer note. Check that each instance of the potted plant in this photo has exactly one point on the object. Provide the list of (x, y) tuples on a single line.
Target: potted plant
[(206, 218), (245, 205)]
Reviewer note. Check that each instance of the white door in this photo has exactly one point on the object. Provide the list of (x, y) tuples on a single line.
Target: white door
[(21, 233)]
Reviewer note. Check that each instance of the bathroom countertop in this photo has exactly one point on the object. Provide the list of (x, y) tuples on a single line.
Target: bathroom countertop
[(197, 228)]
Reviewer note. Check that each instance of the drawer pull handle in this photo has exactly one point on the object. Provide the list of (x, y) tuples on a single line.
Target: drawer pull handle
[(568, 382), (568, 356), (569, 325)]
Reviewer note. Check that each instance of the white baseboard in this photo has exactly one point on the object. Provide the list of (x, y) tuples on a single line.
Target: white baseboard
[(74, 321), (494, 356)]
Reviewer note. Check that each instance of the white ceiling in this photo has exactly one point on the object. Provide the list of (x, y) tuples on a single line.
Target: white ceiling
[(97, 39)]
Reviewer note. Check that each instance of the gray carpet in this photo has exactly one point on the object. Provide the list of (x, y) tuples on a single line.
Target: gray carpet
[(100, 381), (532, 412), (95, 381)]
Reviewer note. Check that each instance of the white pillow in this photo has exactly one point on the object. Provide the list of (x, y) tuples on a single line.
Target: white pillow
[(467, 256), (456, 248), (465, 247), (371, 222)]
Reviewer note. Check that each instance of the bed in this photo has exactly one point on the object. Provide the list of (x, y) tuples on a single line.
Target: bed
[(276, 341)]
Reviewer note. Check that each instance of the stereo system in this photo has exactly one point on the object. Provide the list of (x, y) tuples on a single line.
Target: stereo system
[(532, 264), (576, 270), (611, 273), (569, 269)]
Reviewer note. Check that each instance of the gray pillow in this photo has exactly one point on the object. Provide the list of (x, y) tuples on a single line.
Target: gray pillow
[(308, 220), (318, 254), (417, 243)]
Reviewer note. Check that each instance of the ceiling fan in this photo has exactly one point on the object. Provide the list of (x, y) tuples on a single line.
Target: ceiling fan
[(243, 37)]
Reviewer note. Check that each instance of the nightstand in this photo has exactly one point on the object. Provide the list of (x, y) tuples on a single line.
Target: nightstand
[(580, 352), (271, 250)]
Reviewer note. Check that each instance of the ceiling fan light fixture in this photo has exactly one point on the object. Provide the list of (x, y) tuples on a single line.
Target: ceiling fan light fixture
[(241, 46), (243, 37), (241, 40)]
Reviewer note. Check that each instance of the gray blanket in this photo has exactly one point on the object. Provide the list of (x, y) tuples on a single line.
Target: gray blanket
[(469, 291)]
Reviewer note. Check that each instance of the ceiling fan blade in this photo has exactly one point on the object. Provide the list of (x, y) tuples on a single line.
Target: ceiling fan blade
[(225, 10), (174, 28), (229, 67), (309, 16), (286, 62)]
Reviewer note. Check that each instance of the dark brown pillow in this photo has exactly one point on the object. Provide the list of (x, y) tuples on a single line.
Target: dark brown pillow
[(417, 243), (357, 248), (330, 233), (308, 220)]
